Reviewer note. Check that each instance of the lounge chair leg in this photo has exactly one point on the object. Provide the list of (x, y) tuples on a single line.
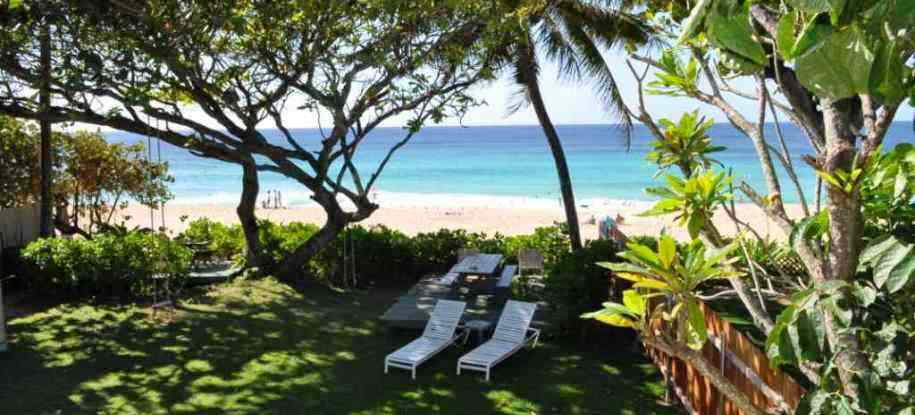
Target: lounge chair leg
[(487, 374), (459, 368), (385, 368), (414, 373)]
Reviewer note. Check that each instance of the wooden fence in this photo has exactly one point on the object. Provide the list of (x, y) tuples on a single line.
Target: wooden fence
[(741, 362), (19, 226)]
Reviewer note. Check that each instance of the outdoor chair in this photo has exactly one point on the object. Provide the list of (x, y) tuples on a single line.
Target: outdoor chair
[(440, 333), (512, 332), (530, 260)]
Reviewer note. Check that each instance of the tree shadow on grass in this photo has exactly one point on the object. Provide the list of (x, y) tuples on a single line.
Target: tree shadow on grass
[(259, 347)]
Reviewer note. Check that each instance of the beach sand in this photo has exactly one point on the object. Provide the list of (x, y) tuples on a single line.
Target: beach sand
[(412, 214)]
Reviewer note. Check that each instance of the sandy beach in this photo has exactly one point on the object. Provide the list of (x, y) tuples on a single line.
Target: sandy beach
[(414, 213)]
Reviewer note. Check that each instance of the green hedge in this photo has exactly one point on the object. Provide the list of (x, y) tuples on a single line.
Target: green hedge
[(381, 254), (574, 284), (107, 265)]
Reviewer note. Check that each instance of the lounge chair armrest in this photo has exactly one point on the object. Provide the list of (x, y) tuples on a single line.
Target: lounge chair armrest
[(533, 336)]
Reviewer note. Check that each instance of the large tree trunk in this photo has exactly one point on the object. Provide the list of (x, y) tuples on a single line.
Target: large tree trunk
[(845, 234), (562, 168), (245, 210), (46, 220), (290, 270)]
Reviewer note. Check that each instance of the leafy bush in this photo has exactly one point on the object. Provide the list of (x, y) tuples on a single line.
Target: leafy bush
[(575, 283), (888, 194), (381, 255), (119, 265), (93, 178), (225, 241)]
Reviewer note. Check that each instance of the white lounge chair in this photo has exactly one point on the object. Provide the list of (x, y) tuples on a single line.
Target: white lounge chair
[(512, 333), (439, 334)]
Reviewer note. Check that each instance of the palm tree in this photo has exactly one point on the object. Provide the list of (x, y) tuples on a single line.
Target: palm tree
[(573, 33)]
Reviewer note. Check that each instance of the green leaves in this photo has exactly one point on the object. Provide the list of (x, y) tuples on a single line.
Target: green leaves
[(615, 314), (674, 78), (694, 21), (799, 333), (893, 262), (697, 332), (667, 252), (693, 200), (889, 77), (732, 32), (673, 272), (634, 302), (785, 37), (811, 228), (810, 6), (685, 144), (627, 314), (839, 67), (815, 32)]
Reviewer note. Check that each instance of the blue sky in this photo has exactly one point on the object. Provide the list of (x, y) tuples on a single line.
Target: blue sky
[(571, 103)]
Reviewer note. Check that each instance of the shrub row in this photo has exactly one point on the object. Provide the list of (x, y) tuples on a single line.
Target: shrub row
[(121, 265), (380, 254), (573, 283)]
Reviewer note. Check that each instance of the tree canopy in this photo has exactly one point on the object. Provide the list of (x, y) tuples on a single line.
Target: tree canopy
[(152, 67), (94, 179), (839, 70)]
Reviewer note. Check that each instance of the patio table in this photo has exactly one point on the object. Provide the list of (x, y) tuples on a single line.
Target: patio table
[(479, 264)]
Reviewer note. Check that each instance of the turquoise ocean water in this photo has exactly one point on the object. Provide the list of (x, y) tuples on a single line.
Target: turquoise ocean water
[(496, 161)]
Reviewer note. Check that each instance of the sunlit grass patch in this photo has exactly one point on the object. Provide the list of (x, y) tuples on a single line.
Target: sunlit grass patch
[(254, 347)]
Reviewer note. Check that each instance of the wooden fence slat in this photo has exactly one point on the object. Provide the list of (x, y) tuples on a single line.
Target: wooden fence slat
[(744, 365)]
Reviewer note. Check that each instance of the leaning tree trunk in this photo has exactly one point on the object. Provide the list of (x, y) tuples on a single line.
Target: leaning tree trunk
[(562, 168), (290, 270), (245, 210)]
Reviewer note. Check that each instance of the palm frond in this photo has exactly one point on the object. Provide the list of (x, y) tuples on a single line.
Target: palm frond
[(585, 29), (526, 72)]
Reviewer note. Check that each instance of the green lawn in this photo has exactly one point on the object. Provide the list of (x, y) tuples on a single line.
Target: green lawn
[(259, 347)]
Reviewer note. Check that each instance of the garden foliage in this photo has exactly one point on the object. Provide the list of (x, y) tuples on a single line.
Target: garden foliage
[(120, 265)]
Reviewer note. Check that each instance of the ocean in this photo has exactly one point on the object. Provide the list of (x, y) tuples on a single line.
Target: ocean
[(507, 161)]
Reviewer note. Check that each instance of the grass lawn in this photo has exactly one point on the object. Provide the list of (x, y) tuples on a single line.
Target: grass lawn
[(259, 347)]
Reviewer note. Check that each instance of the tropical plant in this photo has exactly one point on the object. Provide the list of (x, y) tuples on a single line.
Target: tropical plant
[(675, 78), (693, 200), (574, 33), (888, 193), (685, 145), (842, 70), (664, 306)]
